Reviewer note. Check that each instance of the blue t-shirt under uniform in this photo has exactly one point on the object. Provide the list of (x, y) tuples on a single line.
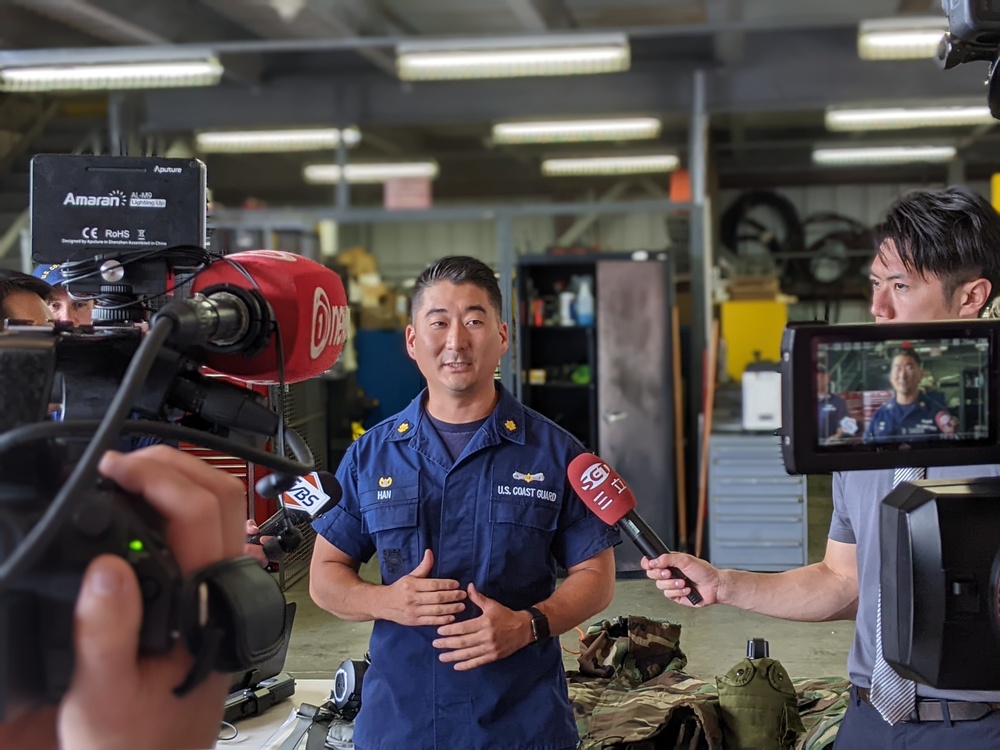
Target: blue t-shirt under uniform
[(502, 516)]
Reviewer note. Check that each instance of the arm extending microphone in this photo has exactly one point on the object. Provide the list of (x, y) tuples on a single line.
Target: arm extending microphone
[(605, 493)]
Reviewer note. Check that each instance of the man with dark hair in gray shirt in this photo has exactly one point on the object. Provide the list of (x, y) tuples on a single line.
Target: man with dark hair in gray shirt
[(938, 258)]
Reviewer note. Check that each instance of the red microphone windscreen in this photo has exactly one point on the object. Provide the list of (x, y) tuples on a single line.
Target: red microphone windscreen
[(310, 307), (600, 486)]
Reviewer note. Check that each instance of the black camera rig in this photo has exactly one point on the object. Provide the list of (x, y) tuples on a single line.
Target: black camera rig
[(974, 36), (56, 515)]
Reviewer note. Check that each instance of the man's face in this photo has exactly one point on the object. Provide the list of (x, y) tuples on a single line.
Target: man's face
[(822, 383), (456, 339), (905, 376), (65, 309), (21, 305), (901, 296)]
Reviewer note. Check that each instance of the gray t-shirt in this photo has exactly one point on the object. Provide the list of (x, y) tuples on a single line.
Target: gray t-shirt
[(857, 497)]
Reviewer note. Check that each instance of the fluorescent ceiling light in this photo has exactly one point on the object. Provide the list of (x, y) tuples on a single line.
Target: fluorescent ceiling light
[(883, 155), (576, 130), (902, 118), (901, 38), (106, 69), (610, 165), (261, 141), (513, 57), (330, 173)]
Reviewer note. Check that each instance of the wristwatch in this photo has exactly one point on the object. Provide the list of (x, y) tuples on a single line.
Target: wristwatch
[(539, 624)]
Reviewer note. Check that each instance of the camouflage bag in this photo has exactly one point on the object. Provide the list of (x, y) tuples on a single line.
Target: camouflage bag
[(758, 704), (822, 704), (630, 691)]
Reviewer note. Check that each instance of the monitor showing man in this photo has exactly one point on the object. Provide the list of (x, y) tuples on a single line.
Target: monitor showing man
[(911, 414)]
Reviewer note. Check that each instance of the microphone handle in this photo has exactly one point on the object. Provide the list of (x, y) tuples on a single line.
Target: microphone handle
[(651, 546)]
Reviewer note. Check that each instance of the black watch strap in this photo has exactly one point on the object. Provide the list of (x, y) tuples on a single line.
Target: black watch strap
[(539, 624)]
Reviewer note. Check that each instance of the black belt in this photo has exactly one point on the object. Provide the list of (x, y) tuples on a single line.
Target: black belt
[(930, 709)]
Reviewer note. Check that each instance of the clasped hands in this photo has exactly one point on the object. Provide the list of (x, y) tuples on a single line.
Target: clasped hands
[(418, 599)]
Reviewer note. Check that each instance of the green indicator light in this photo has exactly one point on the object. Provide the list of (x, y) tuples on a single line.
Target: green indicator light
[(136, 545)]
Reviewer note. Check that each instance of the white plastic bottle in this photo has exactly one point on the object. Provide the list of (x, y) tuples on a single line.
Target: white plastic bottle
[(584, 303)]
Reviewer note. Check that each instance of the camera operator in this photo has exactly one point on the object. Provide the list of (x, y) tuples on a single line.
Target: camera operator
[(66, 309), (22, 299), (119, 699), (938, 258)]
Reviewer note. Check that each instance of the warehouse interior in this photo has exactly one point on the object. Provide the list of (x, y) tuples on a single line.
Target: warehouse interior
[(714, 190)]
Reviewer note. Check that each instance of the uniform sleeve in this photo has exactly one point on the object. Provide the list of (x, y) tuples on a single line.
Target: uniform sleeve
[(580, 534), (841, 529), (342, 526)]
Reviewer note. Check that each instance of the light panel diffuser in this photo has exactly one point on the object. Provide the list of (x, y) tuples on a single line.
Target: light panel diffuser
[(900, 118), (883, 155), (270, 141), (610, 165), (512, 57), (359, 173), (106, 69), (570, 131), (901, 38)]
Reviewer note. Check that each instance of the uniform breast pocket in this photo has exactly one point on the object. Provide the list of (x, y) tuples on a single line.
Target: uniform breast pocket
[(524, 518), (390, 514)]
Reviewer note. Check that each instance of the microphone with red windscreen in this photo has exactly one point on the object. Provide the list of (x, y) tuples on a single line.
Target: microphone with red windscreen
[(244, 300), (605, 493)]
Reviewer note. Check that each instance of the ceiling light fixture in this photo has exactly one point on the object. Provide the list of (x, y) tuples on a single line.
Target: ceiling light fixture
[(610, 165), (512, 57), (570, 131), (900, 118), (901, 38), (836, 157), (265, 141), (106, 69), (330, 173)]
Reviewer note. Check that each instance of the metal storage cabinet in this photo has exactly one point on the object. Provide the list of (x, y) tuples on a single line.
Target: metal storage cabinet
[(758, 512)]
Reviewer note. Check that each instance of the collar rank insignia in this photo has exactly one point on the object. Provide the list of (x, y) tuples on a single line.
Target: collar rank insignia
[(529, 478), (511, 425), (403, 428), (384, 482)]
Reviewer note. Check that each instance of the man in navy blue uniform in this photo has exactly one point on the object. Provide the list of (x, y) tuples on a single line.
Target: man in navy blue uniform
[(464, 499), (911, 414)]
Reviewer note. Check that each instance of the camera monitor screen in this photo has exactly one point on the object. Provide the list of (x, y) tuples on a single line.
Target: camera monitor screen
[(868, 396)]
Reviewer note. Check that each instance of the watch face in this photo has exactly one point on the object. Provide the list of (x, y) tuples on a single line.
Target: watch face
[(539, 625)]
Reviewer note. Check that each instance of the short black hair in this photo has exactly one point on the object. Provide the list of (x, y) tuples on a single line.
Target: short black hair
[(951, 233), (905, 351), (458, 269), (15, 281)]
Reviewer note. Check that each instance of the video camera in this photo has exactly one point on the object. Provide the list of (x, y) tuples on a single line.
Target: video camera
[(868, 396), (56, 515), (973, 35)]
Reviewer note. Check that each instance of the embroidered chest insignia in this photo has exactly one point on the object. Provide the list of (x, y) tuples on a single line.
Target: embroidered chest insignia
[(511, 425), (384, 482), (403, 428), (529, 478)]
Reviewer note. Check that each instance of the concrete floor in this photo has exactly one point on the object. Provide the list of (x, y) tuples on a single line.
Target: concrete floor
[(714, 638)]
